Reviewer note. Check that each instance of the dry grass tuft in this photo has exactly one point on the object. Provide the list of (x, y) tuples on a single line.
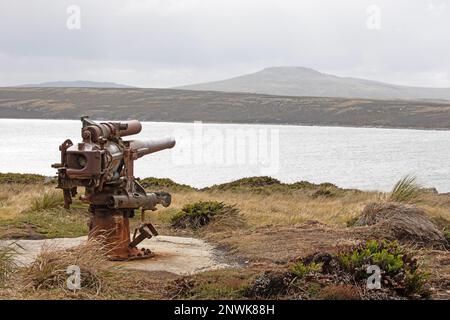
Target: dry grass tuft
[(402, 222), (7, 262), (405, 190), (48, 200), (98, 278)]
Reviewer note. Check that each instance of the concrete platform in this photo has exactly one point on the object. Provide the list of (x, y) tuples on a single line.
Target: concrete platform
[(179, 255)]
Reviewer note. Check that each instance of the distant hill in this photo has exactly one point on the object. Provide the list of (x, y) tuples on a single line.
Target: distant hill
[(75, 84), (207, 106), (299, 81)]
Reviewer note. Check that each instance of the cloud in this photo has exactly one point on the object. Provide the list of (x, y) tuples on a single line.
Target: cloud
[(173, 42)]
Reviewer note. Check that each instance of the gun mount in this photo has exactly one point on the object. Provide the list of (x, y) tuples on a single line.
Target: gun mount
[(103, 164)]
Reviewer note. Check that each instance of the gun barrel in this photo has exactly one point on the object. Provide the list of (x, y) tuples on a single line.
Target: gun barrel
[(94, 131), (148, 201), (132, 127), (144, 147)]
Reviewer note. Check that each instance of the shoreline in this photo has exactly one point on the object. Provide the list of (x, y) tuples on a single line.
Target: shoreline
[(252, 123)]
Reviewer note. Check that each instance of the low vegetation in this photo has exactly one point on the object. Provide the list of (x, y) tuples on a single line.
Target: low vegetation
[(18, 178), (7, 262), (300, 270), (399, 268), (215, 284), (405, 223), (260, 224), (267, 185), (199, 214), (405, 190), (246, 183), (50, 270), (53, 276), (48, 200), (344, 275), (35, 211), (164, 184)]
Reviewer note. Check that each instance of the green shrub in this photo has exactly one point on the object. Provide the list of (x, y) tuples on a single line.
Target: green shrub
[(415, 283), (301, 270), (390, 262), (400, 271), (198, 214), (398, 267), (387, 255)]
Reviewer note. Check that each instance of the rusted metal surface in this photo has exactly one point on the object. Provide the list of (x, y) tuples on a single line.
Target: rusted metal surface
[(103, 164), (149, 146), (145, 231)]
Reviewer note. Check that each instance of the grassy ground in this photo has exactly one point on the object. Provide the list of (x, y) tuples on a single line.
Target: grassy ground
[(275, 224), (34, 211)]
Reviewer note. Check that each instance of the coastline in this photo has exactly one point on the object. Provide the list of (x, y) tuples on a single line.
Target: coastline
[(333, 125)]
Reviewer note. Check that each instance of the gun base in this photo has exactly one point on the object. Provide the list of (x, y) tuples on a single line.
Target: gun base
[(111, 228)]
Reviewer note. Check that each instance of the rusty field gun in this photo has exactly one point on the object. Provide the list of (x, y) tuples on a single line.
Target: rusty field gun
[(103, 164)]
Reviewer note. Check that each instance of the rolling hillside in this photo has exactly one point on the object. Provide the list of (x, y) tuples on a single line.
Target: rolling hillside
[(299, 81), (187, 106), (74, 84)]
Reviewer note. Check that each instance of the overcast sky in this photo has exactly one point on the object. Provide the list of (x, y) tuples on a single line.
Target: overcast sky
[(163, 43)]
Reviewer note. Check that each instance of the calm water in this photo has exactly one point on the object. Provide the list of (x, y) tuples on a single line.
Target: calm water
[(370, 159)]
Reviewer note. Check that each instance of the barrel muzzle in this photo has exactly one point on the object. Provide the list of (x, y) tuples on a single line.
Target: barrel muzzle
[(144, 147)]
